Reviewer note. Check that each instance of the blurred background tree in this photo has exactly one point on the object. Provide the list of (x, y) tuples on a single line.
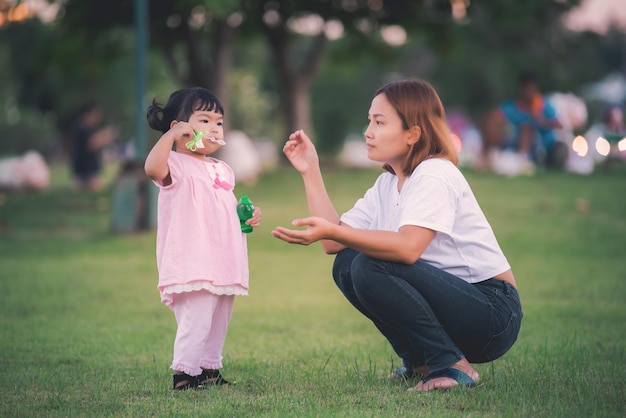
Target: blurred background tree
[(280, 65)]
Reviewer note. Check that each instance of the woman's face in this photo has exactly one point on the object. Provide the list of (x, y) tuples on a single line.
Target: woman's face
[(386, 139)]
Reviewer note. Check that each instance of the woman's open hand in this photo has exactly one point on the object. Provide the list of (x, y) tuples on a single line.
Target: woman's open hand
[(316, 229)]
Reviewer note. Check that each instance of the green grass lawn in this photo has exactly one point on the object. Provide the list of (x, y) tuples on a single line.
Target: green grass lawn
[(83, 333)]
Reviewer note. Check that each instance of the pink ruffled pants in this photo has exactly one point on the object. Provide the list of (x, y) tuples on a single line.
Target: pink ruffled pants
[(202, 319)]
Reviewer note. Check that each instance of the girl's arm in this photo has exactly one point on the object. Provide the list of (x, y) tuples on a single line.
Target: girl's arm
[(156, 162), (302, 154), (405, 246)]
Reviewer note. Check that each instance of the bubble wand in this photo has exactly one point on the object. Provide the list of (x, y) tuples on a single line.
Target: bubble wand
[(196, 142)]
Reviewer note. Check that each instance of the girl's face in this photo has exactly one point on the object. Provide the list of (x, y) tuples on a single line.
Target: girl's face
[(211, 124), (386, 139)]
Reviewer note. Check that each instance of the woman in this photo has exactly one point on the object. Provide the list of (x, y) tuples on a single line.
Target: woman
[(415, 255)]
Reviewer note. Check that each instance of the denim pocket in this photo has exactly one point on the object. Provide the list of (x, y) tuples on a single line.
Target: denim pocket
[(495, 293)]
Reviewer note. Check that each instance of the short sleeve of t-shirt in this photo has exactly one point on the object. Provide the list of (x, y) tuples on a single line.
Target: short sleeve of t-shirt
[(429, 202), (365, 210)]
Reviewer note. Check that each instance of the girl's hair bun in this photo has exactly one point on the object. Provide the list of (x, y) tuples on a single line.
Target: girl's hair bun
[(155, 116)]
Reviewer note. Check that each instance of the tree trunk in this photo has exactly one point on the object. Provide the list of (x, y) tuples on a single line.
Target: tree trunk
[(212, 74), (296, 104), (219, 81), (296, 79)]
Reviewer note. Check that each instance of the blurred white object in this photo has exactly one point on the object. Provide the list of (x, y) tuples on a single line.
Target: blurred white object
[(571, 110), (242, 156), (466, 137), (611, 89), (354, 153), (268, 152), (510, 164), (29, 172), (580, 158), (472, 147), (572, 113)]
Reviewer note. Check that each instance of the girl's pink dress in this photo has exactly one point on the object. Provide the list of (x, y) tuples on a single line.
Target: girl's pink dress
[(199, 240)]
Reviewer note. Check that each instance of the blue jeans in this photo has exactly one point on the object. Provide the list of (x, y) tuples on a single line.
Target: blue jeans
[(431, 317)]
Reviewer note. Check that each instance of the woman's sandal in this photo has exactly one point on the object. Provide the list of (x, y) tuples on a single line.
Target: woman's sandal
[(462, 378), (183, 381), (213, 378)]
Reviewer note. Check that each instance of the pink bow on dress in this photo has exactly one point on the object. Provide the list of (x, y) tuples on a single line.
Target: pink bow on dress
[(217, 183)]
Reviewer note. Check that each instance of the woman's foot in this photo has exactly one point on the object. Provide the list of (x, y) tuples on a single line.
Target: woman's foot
[(211, 377), (460, 373)]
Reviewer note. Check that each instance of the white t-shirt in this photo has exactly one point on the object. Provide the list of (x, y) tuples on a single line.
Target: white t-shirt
[(436, 196)]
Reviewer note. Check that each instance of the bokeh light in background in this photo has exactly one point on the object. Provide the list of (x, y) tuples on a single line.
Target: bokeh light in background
[(596, 15), (458, 144), (17, 12), (580, 146), (394, 35), (603, 146)]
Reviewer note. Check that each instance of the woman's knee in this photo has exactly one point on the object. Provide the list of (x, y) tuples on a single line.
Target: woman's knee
[(342, 266), (366, 273)]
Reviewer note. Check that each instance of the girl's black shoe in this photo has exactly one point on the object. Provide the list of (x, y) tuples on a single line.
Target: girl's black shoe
[(184, 381), (212, 378)]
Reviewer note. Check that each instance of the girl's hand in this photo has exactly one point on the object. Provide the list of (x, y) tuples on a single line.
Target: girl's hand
[(181, 133), (316, 229), (255, 220), (301, 152), (156, 166)]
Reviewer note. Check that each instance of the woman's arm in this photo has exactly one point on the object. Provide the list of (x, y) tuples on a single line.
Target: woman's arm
[(321, 206), (405, 246), (302, 154)]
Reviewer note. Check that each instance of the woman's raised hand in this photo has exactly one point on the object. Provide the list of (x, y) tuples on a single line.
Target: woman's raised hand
[(301, 152)]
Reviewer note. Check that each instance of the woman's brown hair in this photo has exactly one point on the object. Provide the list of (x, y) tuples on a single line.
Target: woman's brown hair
[(418, 104)]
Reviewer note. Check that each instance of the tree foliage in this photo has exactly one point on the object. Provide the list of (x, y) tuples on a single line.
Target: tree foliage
[(253, 51)]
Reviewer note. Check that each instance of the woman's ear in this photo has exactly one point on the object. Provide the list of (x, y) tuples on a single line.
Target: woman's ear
[(415, 133), (172, 123)]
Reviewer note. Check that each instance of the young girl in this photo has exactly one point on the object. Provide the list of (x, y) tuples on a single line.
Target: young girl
[(415, 255), (201, 250)]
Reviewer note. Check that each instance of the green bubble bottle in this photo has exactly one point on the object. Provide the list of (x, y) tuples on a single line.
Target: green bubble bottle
[(245, 210)]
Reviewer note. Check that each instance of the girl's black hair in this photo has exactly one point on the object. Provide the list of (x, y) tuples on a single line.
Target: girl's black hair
[(180, 106)]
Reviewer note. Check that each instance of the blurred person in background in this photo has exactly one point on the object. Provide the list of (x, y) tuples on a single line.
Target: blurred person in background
[(614, 122), (613, 130), (88, 138), (525, 125)]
